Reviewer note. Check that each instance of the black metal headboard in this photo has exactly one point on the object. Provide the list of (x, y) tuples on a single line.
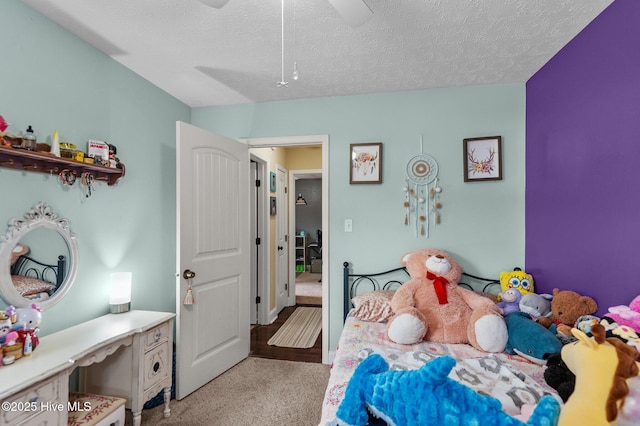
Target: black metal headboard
[(387, 280), (30, 267)]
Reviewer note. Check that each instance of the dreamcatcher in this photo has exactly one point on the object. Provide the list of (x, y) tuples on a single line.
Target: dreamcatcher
[(422, 193)]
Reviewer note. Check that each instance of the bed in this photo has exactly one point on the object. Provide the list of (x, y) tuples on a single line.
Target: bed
[(511, 379), (35, 280)]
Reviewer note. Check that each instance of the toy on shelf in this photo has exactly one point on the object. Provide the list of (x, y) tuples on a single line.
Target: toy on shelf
[(7, 139), (19, 332), (3, 127), (8, 336), (27, 324)]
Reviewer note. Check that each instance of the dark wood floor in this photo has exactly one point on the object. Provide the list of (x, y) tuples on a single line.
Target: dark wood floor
[(262, 333)]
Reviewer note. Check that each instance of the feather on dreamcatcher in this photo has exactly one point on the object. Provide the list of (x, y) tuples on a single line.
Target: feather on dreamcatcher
[(422, 193)]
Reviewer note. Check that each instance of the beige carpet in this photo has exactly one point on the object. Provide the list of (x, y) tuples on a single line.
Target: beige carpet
[(308, 289), (255, 392), (300, 330)]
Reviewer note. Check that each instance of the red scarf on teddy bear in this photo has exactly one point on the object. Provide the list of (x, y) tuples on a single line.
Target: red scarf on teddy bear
[(440, 286)]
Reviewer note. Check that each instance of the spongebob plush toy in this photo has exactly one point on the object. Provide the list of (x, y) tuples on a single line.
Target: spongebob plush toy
[(517, 279)]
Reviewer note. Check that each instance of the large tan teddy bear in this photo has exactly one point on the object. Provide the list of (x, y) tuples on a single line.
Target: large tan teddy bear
[(431, 306)]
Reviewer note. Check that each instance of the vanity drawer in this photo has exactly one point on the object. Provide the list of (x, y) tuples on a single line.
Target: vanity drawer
[(157, 364), (47, 418), (156, 335), (153, 391), (39, 399)]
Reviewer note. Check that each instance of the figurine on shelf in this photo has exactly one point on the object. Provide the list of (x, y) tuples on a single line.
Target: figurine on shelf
[(114, 162), (27, 324), (8, 336), (3, 127), (5, 328)]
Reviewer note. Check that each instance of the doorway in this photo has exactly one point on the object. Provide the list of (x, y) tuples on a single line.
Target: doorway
[(306, 224), (266, 292)]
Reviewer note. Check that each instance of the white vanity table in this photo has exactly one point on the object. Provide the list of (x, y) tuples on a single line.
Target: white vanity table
[(128, 355)]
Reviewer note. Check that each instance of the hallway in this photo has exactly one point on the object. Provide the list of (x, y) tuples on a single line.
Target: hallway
[(308, 289), (260, 334)]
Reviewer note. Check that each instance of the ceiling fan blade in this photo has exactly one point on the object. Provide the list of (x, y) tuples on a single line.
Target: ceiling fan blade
[(215, 3), (354, 12)]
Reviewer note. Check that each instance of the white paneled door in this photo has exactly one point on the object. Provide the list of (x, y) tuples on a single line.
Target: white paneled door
[(212, 256)]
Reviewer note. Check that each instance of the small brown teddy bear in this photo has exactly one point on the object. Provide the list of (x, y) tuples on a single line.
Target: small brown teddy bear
[(566, 307), (432, 306)]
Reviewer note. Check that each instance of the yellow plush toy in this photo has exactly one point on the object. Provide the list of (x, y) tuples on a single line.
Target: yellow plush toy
[(601, 367), (517, 279)]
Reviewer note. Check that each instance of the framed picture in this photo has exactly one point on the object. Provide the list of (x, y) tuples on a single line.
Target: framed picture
[(272, 206), (365, 163), (272, 182), (482, 159)]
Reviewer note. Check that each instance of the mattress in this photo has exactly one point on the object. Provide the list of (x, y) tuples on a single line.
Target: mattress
[(513, 380)]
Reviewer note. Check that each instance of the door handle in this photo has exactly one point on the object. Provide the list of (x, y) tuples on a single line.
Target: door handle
[(188, 274), (280, 247)]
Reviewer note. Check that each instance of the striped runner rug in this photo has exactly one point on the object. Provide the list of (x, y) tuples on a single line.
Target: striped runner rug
[(300, 330)]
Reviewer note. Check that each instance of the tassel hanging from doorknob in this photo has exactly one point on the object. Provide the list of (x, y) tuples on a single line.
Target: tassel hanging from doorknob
[(188, 299)]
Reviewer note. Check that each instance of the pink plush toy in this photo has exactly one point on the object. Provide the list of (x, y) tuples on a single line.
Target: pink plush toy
[(627, 315), (432, 306)]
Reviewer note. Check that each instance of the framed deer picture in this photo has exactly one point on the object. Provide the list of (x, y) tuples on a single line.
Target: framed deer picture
[(482, 158)]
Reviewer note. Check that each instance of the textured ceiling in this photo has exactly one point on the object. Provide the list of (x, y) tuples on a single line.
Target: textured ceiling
[(206, 56)]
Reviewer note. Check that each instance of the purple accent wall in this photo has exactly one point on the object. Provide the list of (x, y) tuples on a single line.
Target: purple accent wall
[(583, 163)]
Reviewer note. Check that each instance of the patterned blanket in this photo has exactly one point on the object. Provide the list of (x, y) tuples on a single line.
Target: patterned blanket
[(511, 379)]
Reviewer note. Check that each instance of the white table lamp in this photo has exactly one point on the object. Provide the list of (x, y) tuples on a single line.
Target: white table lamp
[(120, 298)]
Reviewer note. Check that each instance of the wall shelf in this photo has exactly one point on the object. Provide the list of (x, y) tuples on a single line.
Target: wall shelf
[(41, 162)]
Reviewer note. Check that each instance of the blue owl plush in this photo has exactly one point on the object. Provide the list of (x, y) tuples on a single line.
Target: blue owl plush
[(426, 397)]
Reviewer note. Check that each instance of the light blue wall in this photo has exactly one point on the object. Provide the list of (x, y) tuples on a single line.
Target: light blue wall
[(52, 80), (482, 222)]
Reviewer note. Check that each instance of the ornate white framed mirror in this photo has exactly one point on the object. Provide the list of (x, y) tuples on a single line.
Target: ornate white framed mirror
[(38, 258)]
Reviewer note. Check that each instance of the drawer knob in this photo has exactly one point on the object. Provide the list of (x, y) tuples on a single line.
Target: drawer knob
[(156, 367), (158, 336)]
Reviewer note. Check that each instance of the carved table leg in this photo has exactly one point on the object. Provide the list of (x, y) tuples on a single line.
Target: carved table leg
[(137, 418), (167, 398)]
